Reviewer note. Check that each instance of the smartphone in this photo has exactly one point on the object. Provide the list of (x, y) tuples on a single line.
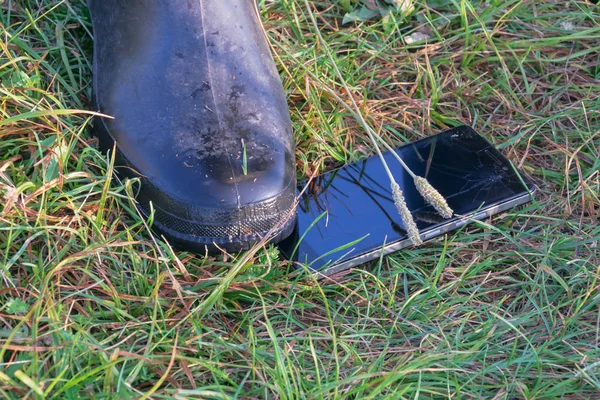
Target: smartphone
[(347, 217)]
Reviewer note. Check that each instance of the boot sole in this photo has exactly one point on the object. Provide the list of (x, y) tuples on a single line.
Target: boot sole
[(234, 244)]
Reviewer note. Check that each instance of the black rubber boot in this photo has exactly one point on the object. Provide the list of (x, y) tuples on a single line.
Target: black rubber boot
[(200, 117)]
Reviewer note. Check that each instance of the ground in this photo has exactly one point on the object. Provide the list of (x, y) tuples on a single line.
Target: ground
[(93, 306)]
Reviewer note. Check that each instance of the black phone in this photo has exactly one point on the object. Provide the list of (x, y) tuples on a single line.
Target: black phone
[(347, 217)]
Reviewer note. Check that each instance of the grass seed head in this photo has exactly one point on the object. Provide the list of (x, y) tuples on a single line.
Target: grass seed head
[(433, 197), (407, 218)]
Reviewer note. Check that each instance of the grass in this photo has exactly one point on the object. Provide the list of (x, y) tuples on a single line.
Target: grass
[(92, 305)]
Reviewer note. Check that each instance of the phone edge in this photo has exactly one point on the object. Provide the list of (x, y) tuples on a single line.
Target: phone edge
[(428, 234)]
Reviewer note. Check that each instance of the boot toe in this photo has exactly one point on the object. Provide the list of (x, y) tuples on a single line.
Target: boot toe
[(208, 199)]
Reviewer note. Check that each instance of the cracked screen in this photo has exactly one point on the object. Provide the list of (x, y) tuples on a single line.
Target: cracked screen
[(349, 212)]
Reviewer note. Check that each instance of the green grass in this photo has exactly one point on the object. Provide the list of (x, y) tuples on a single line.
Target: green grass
[(93, 306)]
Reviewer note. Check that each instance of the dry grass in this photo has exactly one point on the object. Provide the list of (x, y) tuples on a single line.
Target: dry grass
[(93, 306)]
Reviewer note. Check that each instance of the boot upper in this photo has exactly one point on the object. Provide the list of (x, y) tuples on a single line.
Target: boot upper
[(198, 107)]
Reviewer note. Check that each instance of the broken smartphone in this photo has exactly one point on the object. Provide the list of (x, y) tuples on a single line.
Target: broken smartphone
[(347, 217)]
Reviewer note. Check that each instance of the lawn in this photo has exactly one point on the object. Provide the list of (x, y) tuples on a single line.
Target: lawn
[(93, 305)]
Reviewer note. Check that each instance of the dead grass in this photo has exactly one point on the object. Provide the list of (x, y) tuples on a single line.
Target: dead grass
[(93, 306)]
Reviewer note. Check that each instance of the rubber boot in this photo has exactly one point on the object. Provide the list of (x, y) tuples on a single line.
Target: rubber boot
[(199, 116)]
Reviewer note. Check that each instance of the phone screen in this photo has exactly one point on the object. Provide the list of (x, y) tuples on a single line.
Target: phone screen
[(349, 212)]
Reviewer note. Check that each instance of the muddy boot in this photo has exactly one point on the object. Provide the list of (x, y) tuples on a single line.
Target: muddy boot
[(199, 115)]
